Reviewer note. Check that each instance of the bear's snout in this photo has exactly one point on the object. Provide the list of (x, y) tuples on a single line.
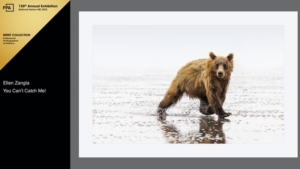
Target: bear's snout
[(220, 74)]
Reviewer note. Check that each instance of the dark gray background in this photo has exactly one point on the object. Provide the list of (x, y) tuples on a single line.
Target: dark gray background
[(165, 5)]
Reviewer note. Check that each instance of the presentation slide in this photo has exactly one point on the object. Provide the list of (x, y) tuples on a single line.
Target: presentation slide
[(149, 84)]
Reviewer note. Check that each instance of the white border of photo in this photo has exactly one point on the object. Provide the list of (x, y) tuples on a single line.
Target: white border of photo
[(287, 19)]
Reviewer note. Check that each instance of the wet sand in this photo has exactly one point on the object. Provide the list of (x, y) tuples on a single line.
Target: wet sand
[(124, 105)]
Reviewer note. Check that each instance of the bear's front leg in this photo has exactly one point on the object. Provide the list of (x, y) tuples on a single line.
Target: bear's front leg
[(216, 103), (222, 97), (205, 108)]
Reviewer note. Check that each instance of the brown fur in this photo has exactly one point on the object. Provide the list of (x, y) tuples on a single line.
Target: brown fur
[(205, 79)]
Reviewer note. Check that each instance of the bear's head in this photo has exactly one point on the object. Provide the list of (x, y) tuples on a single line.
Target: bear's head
[(220, 66)]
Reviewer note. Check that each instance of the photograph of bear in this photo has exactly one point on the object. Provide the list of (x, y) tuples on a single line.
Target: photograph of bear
[(133, 67), (205, 79)]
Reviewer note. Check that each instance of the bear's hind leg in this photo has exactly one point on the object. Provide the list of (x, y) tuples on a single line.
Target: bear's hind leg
[(169, 99)]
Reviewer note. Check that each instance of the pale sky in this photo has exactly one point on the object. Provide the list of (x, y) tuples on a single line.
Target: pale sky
[(170, 47)]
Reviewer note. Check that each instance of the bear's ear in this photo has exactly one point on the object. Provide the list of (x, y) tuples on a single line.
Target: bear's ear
[(230, 56), (212, 55)]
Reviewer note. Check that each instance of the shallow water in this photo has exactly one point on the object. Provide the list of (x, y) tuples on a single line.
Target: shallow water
[(124, 105)]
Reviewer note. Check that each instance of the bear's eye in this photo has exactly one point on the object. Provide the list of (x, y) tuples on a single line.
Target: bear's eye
[(217, 65), (225, 66)]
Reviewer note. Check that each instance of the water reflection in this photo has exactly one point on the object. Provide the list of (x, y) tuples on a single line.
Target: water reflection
[(210, 131)]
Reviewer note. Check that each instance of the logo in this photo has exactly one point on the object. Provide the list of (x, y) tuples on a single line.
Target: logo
[(8, 7)]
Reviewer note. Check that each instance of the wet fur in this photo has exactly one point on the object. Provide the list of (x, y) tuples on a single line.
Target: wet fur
[(199, 79)]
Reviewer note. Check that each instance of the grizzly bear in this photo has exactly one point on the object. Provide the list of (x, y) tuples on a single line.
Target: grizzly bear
[(205, 79)]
